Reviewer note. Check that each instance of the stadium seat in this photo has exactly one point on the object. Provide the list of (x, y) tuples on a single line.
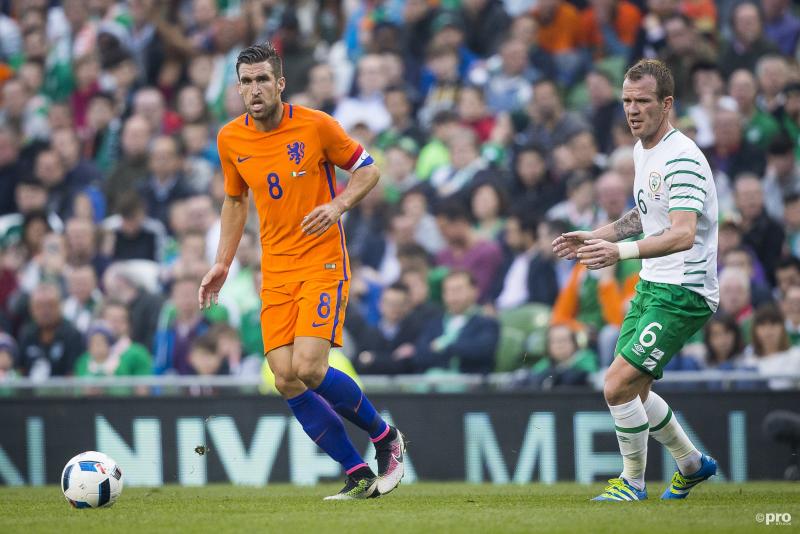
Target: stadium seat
[(532, 320), (510, 349)]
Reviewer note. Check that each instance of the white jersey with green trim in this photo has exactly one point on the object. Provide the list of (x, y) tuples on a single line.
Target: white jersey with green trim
[(675, 175)]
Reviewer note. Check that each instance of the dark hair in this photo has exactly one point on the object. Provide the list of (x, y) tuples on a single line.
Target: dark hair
[(780, 146), (768, 314), (787, 262), (130, 204), (104, 95), (461, 272), (665, 83), (704, 65), (528, 220), (414, 250), (790, 198), (205, 342), (398, 286), (258, 54), (500, 193), (728, 322), (453, 210)]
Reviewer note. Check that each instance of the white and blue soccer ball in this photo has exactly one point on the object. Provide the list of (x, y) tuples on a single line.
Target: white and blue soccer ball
[(91, 480)]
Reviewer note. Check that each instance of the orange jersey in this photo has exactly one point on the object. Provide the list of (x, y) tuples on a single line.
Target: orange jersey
[(290, 172)]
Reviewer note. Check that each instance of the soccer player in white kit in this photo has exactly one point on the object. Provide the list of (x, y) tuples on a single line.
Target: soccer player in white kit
[(676, 210)]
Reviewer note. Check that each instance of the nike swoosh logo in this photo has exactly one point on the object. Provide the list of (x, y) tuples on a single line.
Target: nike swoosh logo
[(240, 159), (317, 325)]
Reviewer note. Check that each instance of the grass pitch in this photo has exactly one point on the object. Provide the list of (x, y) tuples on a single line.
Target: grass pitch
[(421, 508)]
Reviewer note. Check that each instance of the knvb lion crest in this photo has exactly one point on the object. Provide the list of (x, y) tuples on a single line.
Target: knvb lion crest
[(296, 151)]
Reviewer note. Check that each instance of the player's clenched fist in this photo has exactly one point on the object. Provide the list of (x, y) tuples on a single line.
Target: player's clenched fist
[(566, 245), (320, 219)]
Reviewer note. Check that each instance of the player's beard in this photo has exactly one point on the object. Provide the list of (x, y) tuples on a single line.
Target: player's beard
[(266, 112)]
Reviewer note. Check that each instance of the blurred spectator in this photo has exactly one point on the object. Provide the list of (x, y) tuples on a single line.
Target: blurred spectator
[(120, 281), (550, 125), (415, 204), (595, 301), (229, 345), (321, 88), (175, 337), (465, 250), (761, 233), (782, 180), (130, 170), (740, 258), (489, 206), (366, 105), (760, 128), (781, 25), (532, 187), (791, 220), (770, 350), (506, 78), (441, 62), (609, 27), (465, 162), (388, 347), (485, 23), (724, 343), (613, 197), (149, 103), (652, 36), (747, 43), (50, 171), (708, 90), (166, 183), (107, 356), (787, 274), (297, 55), (133, 235), (401, 158), (48, 256), (790, 306), (526, 275), (12, 170), (102, 137), (605, 108), (435, 153), (789, 114), (462, 339), (83, 297), (8, 357), (204, 360), (734, 298), (472, 110), (403, 125), (731, 153), (559, 28), (565, 364), (49, 344), (772, 72), (579, 208)]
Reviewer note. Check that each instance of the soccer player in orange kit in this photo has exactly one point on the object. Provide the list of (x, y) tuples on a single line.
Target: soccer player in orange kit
[(285, 154)]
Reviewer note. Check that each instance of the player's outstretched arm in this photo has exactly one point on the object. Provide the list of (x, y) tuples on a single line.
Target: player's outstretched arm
[(679, 236), (566, 245), (232, 221), (323, 217)]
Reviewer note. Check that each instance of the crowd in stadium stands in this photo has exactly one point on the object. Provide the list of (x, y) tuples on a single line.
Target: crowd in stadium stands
[(497, 125)]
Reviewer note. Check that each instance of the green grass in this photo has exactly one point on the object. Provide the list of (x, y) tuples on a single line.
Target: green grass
[(423, 508)]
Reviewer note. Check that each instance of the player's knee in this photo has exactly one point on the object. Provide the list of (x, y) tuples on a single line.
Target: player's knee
[(310, 373), (614, 390), (288, 385)]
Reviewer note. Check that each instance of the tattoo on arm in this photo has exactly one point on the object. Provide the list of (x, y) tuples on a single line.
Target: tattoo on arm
[(628, 225)]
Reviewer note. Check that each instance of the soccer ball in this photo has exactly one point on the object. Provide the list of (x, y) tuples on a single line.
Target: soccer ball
[(91, 480)]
